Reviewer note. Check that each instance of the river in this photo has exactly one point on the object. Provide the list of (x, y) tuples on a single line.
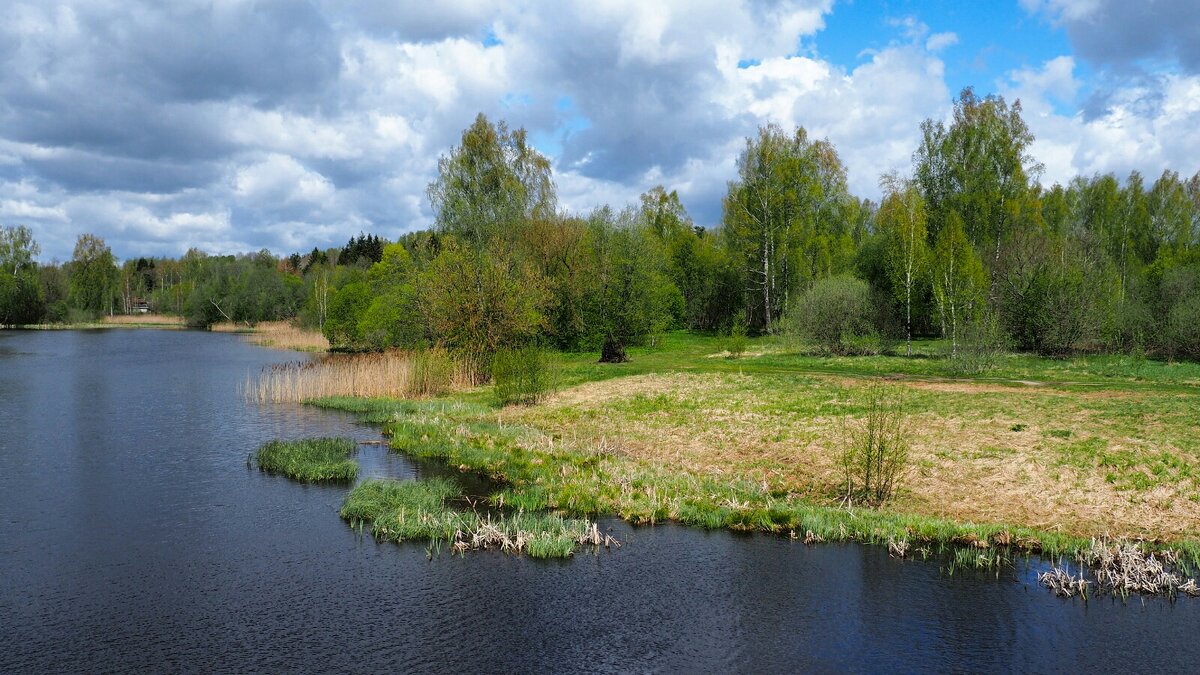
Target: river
[(134, 537)]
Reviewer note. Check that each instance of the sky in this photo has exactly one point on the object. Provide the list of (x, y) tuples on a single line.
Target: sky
[(237, 125)]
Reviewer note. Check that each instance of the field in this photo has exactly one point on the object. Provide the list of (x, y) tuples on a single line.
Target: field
[(1048, 452)]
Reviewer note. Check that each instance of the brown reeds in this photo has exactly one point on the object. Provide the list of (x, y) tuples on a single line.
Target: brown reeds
[(393, 374), (278, 335)]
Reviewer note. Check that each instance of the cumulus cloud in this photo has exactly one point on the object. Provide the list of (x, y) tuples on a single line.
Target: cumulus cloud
[(234, 125), (1122, 34)]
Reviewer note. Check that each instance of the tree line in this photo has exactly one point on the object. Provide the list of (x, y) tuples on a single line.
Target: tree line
[(968, 245)]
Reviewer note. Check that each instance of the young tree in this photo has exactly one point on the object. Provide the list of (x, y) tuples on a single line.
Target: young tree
[(901, 220), (958, 279)]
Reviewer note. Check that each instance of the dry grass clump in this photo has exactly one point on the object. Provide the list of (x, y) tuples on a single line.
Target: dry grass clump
[(1122, 567), (392, 374)]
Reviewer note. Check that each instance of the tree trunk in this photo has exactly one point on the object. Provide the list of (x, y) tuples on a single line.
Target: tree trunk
[(612, 351)]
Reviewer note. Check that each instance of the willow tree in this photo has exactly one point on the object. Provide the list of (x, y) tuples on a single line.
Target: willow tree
[(491, 184)]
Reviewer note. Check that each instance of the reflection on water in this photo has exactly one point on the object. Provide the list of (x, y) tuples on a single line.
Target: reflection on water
[(134, 537)]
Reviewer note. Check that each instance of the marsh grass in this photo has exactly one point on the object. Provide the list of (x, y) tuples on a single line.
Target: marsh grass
[(310, 460), (393, 374)]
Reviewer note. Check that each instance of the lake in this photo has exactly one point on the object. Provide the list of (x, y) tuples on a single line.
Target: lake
[(134, 537)]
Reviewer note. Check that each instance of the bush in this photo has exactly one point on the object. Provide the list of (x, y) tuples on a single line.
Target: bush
[(834, 313), (735, 342), (874, 450), (981, 345), (521, 375)]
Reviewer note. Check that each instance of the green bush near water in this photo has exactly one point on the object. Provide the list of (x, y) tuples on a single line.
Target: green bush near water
[(521, 375), (310, 460)]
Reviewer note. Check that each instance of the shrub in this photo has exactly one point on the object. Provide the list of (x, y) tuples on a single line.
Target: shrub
[(735, 342), (981, 345), (521, 375), (834, 313), (874, 450)]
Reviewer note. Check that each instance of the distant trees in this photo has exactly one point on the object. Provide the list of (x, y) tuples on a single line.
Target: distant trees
[(21, 300), (969, 247)]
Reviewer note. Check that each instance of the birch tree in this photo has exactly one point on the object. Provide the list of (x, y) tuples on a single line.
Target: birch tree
[(902, 220)]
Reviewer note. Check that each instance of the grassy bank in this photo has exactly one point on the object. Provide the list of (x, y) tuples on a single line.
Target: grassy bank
[(1036, 456), (310, 460)]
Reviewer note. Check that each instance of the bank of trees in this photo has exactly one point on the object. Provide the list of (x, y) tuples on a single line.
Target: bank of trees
[(969, 245)]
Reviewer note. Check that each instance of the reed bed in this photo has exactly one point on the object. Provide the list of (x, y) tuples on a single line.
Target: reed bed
[(401, 511), (278, 335), (143, 320), (392, 374), (310, 460)]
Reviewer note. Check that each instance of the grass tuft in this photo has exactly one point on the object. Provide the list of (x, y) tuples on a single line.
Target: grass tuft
[(311, 460)]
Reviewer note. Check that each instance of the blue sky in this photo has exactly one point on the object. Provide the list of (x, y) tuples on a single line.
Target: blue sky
[(287, 124)]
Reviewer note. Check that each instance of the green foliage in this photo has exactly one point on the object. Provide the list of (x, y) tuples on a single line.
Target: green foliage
[(347, 308), (901, 220), (310, 460), (491, 184), (735, 342), (982, 344), (93, 275), (477, 304), (521, 375), (630, 297), (958, 280), (21, 299), (834, 313)]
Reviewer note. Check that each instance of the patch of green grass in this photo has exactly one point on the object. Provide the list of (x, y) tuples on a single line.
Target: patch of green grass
[(310, 460), (421, 511)]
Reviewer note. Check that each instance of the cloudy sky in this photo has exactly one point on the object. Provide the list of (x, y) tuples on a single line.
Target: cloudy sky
[(234, 125)]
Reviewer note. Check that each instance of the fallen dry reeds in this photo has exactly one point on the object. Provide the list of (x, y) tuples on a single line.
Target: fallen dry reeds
[(1121, 567), (393, 374)]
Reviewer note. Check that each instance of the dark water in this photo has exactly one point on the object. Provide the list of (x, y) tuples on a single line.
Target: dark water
[(133, 537)]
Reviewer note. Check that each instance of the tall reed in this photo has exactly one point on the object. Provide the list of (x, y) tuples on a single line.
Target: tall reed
[(391, 374)]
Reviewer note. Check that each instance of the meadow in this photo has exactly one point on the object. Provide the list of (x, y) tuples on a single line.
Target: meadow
[(1035, 455)]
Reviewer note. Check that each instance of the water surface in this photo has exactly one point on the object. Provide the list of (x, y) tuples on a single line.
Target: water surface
[(133, 536)]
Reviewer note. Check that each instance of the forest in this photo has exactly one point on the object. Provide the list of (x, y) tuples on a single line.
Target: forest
[(969, 245)]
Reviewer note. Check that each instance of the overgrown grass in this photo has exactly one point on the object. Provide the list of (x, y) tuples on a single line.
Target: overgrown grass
[(310, 460)]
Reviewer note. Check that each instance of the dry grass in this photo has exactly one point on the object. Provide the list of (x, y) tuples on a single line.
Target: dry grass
[(1062, 461), (385, 375), (143, 320), (279, 335)]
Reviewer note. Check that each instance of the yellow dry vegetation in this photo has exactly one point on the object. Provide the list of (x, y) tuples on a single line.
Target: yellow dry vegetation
[(1080, 462)]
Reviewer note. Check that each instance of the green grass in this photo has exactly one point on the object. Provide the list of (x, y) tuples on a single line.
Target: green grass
[(310, 460)]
